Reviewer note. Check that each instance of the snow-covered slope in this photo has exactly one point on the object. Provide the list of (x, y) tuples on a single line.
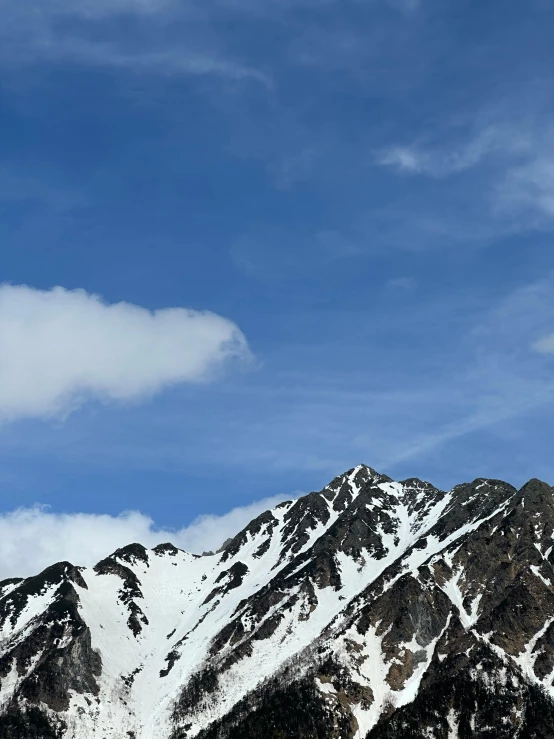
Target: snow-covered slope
[(343, 614)]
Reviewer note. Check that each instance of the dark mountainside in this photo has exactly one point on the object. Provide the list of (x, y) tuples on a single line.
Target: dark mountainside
[(371, 609)]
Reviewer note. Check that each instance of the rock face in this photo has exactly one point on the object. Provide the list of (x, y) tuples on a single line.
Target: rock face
[(372, 609)]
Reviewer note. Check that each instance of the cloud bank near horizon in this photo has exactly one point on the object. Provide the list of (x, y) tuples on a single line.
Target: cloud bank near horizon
[(34, 538)]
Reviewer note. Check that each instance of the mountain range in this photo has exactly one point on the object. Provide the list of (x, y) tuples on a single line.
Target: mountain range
[(372, 609)]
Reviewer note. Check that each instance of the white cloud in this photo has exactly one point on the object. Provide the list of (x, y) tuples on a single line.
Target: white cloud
[(208, 532), (34, 538), (439, 160), (60, 347)]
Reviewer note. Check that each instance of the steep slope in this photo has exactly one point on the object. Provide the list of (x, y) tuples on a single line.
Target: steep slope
[(372, 608)]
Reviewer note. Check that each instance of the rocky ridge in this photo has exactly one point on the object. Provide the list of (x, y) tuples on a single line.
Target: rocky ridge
[(370, 609)]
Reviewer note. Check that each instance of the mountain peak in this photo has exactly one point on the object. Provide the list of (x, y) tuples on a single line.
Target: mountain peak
[(535, 487), (372, 605)]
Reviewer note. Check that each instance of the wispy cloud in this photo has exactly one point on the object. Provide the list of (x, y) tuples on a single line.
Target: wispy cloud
[(103, 8), (528, 189), (272, 253), (403, 283), (28, 187), (444, 160), (488, 377), (545, 345), (501, 380), (404, 159), (541, 335), (132, 35), (511, 165), (172, 61)]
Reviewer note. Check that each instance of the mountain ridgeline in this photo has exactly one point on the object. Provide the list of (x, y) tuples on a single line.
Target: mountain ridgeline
[(371, 609)]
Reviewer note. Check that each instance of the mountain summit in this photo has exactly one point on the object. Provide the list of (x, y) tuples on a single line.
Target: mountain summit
[(372, 608)]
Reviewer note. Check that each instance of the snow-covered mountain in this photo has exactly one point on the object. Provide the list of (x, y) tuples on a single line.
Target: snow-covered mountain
[(370, 609)]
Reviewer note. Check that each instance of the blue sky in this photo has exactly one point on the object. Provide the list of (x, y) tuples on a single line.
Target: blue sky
[(365, 190)]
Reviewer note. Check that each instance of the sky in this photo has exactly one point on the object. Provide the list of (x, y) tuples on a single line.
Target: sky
[(246, 246)]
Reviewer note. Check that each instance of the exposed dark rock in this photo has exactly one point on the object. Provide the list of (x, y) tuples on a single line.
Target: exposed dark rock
[(167, 548), (30, 723), (264, 522), (432, 612), (131, 553), (130, 589), (228, 580)]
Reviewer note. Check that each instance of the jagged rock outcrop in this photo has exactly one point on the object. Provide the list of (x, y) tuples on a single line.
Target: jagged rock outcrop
[(369, 610)]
